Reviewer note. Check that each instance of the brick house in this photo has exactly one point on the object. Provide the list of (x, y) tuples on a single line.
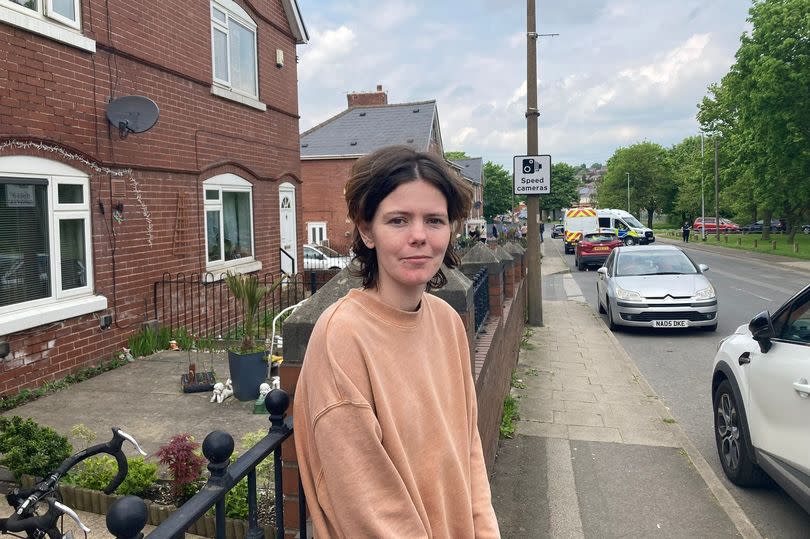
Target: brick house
[(472, 170), (329, 150), (92, 216)]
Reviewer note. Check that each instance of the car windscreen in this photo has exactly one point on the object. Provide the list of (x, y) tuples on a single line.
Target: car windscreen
[(599, 238), (328, 252), (654, 262)]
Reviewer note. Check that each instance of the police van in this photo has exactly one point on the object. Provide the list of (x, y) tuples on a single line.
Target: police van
[(625, 225)]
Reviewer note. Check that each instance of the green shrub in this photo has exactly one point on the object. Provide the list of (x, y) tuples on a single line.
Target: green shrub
[(184, 339), (236, 505), (144, 342), (29, 448), (96, 473), (163, 337)]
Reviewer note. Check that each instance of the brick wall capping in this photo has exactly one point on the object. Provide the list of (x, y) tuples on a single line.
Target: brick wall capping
[(458, 291), (514, 248), (503, 255), (298, 327), (481, 256)]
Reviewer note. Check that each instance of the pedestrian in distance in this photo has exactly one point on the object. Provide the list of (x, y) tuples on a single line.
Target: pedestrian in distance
[(385, 408), (685, 231), (542, 231), (494, 231)]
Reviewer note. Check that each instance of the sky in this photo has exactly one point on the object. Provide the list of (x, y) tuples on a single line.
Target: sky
[(619, 72)]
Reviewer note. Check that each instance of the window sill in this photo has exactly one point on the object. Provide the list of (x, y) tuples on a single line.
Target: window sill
[(54, 312), (218, 272), (239, 98), (47, 29)]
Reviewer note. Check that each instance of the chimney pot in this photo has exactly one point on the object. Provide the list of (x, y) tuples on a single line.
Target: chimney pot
[(379, 87)]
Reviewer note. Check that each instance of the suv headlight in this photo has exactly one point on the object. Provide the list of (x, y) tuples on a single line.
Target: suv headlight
[(628, 295), (706, 293)]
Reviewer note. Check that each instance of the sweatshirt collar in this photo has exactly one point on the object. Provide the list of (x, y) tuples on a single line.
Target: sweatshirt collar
[(388, 314)]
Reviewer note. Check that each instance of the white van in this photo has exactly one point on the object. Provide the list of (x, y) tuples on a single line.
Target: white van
[(578, 222), (625, 225)]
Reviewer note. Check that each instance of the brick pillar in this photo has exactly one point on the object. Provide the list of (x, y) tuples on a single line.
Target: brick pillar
[(288, 374), (507, 262)]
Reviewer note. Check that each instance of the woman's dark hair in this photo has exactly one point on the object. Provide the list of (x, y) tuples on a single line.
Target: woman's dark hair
[(377, 175)]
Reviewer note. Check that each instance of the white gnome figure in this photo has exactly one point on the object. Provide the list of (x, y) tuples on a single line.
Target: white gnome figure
[(217, 396), (264, 389)]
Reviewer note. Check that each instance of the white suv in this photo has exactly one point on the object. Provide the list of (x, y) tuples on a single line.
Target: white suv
[(761, 398)]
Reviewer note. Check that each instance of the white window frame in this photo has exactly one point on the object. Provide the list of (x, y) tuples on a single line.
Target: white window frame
[(233, 12), (314, 225), (46, 22), (60, 304), (234, 184)]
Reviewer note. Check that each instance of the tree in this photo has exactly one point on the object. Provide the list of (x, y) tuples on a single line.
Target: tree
[(596, 165), (651, 185), (497, 190), (762, 108), (564, 190), (455, 156)]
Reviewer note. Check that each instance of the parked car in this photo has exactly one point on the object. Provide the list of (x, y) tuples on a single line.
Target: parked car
[(806, 229), (557, 231), (594, 248), (761, 400), (726, 226), (322, 257), (657, 287), (777, 225)]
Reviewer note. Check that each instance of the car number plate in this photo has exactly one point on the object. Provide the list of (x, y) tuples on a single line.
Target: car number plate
[(670, 323), (601, 248)]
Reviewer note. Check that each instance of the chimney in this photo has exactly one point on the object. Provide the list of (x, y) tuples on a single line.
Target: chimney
[(368, 98)]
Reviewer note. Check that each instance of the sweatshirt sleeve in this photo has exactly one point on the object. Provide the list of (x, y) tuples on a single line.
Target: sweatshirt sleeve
[(368, 497)]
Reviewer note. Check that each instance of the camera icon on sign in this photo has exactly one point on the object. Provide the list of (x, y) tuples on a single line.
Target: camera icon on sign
[(530, 166)]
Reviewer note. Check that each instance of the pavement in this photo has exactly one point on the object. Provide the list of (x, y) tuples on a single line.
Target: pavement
[(596, 453)]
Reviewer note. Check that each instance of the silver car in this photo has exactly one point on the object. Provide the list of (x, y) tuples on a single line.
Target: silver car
[(658, 287)]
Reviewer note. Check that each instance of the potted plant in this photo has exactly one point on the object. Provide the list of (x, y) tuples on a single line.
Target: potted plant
[(247, 361)]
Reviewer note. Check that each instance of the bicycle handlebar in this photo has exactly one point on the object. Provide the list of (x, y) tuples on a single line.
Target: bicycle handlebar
[(20, 522)]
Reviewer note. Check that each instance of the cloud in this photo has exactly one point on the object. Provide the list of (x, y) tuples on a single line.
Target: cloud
[(327, 50)]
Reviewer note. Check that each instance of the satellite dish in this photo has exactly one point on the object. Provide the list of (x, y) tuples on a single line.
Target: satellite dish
[(132, 114)]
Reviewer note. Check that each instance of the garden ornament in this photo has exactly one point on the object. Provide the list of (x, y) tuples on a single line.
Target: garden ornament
[(222, 391), (264, 389)]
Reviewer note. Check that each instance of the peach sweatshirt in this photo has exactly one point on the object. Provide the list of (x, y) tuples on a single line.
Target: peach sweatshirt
[(385, 424)]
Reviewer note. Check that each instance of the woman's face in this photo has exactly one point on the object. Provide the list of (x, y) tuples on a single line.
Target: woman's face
[(410, 232)]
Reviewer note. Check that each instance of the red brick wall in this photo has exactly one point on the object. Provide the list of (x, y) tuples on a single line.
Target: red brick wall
[(324, 180), (56, 94)]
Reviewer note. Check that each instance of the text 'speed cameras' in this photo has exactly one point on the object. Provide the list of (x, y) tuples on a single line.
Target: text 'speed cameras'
[(530, 166)]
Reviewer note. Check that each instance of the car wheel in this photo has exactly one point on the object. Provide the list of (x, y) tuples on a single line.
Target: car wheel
[(580, 265), (599, 302), (612, 326), (629, 240), (731, 438)]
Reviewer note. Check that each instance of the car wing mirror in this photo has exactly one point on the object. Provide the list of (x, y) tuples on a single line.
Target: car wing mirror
[(602, 271), (762, 331), (703, 267)]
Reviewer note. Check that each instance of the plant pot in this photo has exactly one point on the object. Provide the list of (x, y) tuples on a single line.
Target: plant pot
[(248, 372)]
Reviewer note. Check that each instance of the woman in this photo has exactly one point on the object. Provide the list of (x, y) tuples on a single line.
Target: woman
[(385, 411)]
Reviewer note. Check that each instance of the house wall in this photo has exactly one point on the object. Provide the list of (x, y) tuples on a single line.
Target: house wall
[(55, 95), (324, 181)]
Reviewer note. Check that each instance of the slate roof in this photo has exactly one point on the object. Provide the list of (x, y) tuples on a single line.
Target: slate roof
[(361, 130), (470, 168)]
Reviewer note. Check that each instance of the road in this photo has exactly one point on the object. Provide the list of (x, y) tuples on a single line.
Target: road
[(678, 363)]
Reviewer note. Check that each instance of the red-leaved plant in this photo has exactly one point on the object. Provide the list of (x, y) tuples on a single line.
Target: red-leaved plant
[(185, 464)]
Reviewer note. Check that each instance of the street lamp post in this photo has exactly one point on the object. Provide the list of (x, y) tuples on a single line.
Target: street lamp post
[(628, 192), (702, 194)]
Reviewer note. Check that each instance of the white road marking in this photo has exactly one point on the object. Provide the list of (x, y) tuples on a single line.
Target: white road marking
[(752, 294)]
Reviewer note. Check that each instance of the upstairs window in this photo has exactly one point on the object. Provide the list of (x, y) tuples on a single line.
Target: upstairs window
[(66, 12), (233, 45)]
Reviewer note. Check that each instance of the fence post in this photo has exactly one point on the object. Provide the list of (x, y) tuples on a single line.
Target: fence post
[(217, 448), (127, 517)]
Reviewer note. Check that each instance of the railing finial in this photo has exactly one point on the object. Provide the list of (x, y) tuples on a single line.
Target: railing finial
[(126, 517), (276, 402), (217, 448)]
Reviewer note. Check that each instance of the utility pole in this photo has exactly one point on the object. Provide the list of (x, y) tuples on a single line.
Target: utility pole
[(533, 277), (702, 193), (628, 192), (716, 194)]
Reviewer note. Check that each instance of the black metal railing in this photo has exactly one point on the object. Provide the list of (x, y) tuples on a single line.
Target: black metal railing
[(127, 516), (481, 297), (203, 305)]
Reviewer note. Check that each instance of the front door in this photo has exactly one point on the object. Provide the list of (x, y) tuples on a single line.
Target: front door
[(287, 228)]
